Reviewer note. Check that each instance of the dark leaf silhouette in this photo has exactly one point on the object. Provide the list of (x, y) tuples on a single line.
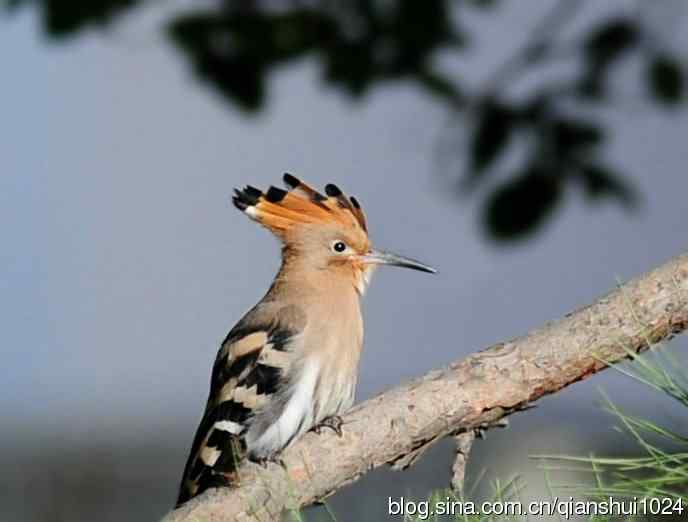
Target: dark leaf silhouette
[(392, 43), (442, 87), (572, 136), (591, 84), (483, 3), (362, 44), (611, 40), (359, 43), (603, 47), (235, 50), (521, 205), (665, 78), (494, 127), (600, 182), (63, 17)]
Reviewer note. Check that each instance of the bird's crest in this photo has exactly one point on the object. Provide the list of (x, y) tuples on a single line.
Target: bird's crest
[(281, 210)]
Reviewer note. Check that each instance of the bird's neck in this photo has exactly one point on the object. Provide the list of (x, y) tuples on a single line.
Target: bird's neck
[(332, 306), (305, 284)]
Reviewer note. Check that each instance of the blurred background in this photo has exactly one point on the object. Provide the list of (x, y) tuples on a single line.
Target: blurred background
[(534, 152)]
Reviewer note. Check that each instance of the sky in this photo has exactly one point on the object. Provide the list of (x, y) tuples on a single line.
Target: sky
[(124, 264)]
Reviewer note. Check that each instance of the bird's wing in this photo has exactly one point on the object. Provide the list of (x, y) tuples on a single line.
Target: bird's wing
[(248, 371)]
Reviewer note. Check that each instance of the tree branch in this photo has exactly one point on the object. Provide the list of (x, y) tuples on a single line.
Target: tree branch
[(464, 442), (398, 425)]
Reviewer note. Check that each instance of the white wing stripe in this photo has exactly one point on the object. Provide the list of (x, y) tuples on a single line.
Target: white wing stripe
[(296, 417), (229, 426)]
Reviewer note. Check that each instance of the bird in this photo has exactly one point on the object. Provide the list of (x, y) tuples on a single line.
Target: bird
[(291, 363)]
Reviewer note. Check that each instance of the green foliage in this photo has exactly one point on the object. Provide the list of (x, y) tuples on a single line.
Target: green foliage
[(655, 473), (652, 475)]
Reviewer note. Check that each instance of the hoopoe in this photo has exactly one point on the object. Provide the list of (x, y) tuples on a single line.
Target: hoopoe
[(291, 363)]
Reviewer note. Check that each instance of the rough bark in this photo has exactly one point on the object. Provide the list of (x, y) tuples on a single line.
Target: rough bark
[(464, 442), (397, 426)]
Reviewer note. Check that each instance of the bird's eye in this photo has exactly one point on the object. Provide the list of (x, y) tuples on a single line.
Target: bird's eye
[(339, 246)]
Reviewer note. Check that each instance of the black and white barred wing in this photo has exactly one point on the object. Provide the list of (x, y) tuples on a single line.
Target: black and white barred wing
[(249, 376)]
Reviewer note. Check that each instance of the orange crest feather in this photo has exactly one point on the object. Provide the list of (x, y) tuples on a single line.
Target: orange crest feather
[(279, 210)]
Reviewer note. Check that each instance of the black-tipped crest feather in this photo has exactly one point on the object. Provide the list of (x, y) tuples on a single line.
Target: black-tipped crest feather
[(278, 209), (298, 186), (247, 197), (332, 190), (275, 195), (290, 181)]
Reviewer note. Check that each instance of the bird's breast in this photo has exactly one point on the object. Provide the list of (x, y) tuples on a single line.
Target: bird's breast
[(334, 345), (320, 381)]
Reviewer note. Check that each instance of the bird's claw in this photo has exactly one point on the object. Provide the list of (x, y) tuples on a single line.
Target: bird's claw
[(481, 431), (273, 459), (334, 423)]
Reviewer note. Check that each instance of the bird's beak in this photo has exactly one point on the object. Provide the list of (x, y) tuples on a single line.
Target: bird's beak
[(380, 257)]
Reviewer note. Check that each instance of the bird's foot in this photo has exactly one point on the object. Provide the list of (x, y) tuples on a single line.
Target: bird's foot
[(503, 422), (272, 459), (334, 423), (481, 431)]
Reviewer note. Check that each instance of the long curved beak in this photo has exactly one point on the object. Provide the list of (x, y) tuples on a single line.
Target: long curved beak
[(380, 257)]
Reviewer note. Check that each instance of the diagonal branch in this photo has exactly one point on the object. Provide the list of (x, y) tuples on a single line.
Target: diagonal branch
[(467, 394)]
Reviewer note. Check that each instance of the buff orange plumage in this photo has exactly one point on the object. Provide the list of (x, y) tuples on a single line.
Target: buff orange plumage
[(291, 363)]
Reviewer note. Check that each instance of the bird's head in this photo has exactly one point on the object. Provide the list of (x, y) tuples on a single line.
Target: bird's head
[(320, 233)]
